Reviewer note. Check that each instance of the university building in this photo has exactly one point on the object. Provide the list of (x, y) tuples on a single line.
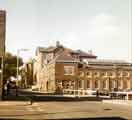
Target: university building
[(2, 46), (58, 67)]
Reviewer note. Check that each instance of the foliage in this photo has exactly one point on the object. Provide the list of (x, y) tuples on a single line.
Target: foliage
[(10, 65)]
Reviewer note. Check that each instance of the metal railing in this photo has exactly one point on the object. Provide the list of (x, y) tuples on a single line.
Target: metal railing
[(79, 92)]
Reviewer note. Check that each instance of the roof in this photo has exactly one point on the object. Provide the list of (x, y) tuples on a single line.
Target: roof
[(108, 62), (108, 67), (2, 11), (65, 57), (85, 54), (80, 53), (48, 49)]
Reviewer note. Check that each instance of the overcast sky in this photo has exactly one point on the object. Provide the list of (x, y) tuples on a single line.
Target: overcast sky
[(103, 26)]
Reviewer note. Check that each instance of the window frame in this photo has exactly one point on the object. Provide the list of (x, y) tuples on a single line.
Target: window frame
[(67, 68)]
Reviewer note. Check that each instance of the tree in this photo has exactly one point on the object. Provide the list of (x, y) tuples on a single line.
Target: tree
[(10, 66)]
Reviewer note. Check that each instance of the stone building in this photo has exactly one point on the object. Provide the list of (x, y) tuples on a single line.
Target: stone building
[(58, 67), (2, 46)]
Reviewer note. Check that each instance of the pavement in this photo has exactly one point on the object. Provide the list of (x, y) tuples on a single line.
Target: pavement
[(14, 103), (90, 110), (120, 102)]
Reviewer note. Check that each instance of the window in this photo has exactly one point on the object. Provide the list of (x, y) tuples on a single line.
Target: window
[(68, 70), (119, 83), (80, 83), (89, 74), (119, 74), (88, 83), (126, 74), (104, 83), (111, 74), (113, 84), (104, 74), (128, 84), (96, 74)]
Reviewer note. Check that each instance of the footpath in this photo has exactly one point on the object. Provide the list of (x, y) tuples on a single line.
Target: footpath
[(120, 102), (14, 103)]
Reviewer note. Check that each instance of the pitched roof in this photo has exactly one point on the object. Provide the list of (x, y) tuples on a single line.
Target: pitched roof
[(85, 54), (108, 61), (48, 49), (65, 57), (67, 50)]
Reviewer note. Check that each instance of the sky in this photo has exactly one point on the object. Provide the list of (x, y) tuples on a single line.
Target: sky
[(103, 26)]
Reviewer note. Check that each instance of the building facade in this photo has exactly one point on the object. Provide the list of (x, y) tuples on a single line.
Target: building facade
[(2, 46), (57, 68)]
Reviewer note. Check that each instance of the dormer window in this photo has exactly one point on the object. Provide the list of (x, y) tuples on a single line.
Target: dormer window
[(88, 74)]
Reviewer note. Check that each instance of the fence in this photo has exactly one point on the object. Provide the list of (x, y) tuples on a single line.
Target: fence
[(78, 92)]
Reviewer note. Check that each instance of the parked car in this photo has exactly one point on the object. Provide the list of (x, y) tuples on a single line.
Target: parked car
[(91, 92)]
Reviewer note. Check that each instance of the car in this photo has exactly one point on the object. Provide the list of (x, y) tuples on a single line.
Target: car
[(91, 92)]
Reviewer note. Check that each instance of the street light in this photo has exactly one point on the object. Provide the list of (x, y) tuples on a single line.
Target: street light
[(18, 52)]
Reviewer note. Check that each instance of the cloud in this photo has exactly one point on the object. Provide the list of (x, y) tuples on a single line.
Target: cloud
[(107, 35)]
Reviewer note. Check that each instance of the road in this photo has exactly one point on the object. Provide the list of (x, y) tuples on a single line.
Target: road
[(61, 110)]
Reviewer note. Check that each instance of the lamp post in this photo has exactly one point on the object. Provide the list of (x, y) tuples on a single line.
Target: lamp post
[(18, 52)]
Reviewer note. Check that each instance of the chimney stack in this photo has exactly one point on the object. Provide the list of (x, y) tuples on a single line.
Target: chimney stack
[(57, 43)]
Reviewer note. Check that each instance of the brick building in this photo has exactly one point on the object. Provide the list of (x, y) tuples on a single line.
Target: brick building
[(58, 67), (2, 46)]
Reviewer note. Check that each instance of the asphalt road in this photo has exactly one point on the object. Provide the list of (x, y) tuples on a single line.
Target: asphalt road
[(90, 110)]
